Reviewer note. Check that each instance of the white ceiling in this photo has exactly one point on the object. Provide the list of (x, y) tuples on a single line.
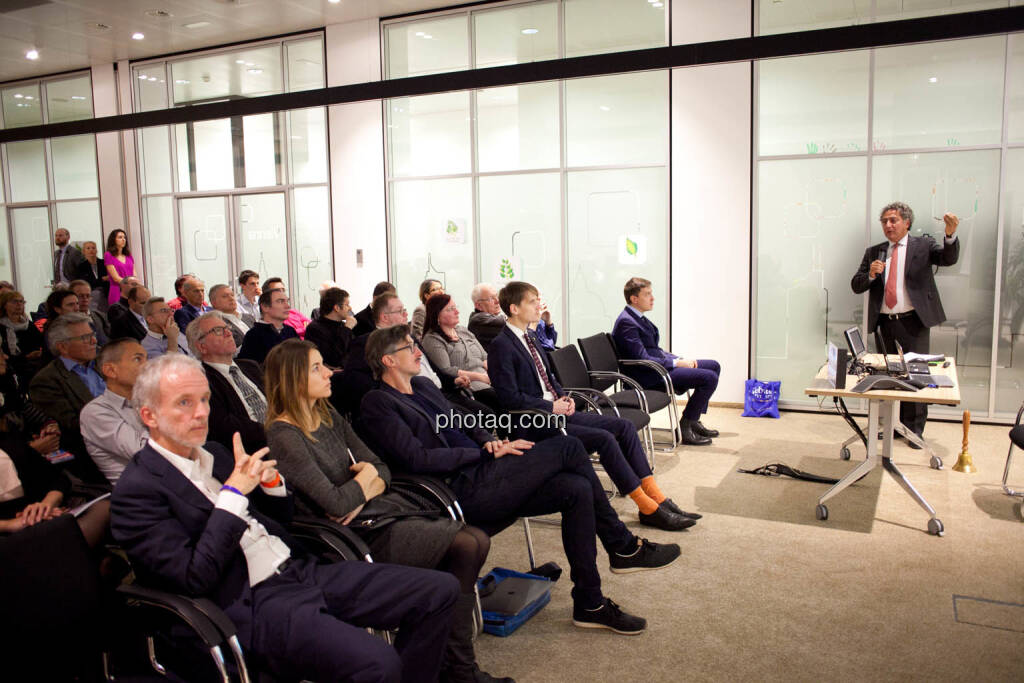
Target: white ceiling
[(66, 34)]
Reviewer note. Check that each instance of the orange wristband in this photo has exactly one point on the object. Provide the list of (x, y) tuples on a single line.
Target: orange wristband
[(274, 483)]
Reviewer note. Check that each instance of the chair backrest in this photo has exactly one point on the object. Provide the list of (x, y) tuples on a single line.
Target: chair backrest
[(599, 354), (569, 367)]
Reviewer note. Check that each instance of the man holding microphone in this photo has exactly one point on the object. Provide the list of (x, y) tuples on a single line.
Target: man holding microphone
[(904, 302)]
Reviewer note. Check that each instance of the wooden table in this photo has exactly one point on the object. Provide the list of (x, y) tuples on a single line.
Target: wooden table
[(883, 413)]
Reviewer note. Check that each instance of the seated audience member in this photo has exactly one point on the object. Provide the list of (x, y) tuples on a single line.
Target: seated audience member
[(428, 288), (92, 271), (248, 300), (130, 321), (522, 379), (331, 332), (365, 323), (637, 337), (296, 319), (311, 440), (194, 291), (58, 302), (62, 388), (314, 315), (270, 330), (85, 299), (162, 333), (196, 520), (179, 300), (6, 286), (486, 320), (497, 481), (237, 402), (120, 307), (111, 427), (453, 350), (547, 335), (222, 299), (21, 341)]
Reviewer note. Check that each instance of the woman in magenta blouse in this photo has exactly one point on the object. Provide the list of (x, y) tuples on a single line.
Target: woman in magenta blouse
[(119, 262)]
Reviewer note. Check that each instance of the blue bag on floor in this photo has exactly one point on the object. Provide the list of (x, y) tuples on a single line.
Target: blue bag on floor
[(761, 399)]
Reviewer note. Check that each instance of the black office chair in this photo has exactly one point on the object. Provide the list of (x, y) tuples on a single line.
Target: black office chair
[(572, 374), (605, 365), (1016, 439)]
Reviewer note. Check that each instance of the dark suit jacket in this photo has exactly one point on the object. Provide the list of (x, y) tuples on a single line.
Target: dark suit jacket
[(178, 541), (227, 412), (514, 376), (637, 338), (123, 323), (922, 254), (72, 257), (331, 338), (84, 272), (364, 322), (262, 337), (403, 435), (485, 327)]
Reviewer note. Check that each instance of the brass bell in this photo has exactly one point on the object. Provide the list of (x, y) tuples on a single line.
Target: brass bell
[(965, 463)]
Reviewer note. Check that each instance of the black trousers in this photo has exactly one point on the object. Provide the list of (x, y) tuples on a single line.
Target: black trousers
[(553, 476), (309, 622), (912, 335)]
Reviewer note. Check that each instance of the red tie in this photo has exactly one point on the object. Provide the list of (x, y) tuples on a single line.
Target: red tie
[(890, 280), (540, 365)]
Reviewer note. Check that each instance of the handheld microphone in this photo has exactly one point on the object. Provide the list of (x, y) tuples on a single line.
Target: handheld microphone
[(883, 253)]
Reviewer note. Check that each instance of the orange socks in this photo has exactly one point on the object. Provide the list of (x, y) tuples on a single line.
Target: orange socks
[(643, 501), (652, 490)]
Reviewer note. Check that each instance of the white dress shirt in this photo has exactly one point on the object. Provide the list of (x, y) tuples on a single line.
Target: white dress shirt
[(521, 335), (226, 371), (263, 551)]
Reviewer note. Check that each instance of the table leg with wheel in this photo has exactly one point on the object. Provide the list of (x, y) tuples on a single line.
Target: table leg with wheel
[(821, 512)]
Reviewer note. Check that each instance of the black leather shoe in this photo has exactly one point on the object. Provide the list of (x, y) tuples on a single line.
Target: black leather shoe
[(701, 430), (672, 507), (689, 436), (666, 520)]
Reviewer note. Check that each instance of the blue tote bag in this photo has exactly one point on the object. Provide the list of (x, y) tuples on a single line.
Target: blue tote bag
[(761, 399)]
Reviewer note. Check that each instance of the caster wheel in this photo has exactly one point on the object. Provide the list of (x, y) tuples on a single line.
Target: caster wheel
[(936, 462), (935, 526), (844, 453), (821, 512)]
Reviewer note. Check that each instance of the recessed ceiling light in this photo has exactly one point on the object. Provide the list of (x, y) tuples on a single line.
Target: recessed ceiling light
[(142, 77), (256, 71), (334, 2), (657, 4), (427, 36), (605, 107), (29, 97), (151, 79), (239, 61), (933, 79), (197, 24), (18, 95), (529, 31), (250, 63), (32, 54), (77, 97), (138, 35), (420, 34), (182, 81)]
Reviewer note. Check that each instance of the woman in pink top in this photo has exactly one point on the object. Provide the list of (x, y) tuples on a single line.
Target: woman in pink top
[(119, 262)]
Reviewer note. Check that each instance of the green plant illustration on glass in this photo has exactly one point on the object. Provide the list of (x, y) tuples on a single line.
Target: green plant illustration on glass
[(505, 271), (452, 228), (631, 247)]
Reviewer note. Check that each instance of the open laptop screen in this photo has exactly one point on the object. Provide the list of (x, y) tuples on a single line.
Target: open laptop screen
[(855, 341)]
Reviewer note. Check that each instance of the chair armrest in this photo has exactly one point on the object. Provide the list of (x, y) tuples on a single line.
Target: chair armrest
[(626, 380), (535, 411), (651, 365), (207, 620), (335, 537), (590, 396), (431, 487)]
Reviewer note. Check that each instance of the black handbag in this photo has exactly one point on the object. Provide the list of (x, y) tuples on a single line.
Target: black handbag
[(392, 506)]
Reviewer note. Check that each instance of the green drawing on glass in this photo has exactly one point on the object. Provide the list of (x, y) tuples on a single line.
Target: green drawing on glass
[(630, 247), (505, 271), (452, 228), (812, 148)]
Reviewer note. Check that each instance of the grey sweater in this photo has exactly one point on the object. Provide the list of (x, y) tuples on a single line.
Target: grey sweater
[(319, 472)]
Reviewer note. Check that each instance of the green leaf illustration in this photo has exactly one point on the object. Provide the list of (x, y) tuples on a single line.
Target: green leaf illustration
[(452, 228), (630, 247), (505, 271)]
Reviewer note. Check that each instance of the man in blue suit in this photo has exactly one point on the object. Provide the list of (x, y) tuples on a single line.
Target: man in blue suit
[(187, 532), (637, 338), (522, 379)]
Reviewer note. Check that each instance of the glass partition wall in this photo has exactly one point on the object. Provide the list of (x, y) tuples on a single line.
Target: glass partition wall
[(564, 184), (939, 126), (46, 184), (246, 192)]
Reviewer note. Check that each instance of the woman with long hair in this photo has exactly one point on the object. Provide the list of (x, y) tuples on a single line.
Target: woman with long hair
[(334, 474), (21, 340), (119, 262), (454, 351)]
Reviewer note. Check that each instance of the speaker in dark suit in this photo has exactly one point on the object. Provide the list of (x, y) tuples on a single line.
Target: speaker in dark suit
[(903, 300)]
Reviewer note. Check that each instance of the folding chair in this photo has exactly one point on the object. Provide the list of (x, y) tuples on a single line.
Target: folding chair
[(1016, 439)]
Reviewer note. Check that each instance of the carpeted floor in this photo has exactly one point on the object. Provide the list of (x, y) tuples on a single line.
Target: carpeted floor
[(764, 591)]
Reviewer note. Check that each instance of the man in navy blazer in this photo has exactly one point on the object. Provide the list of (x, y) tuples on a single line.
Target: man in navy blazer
[(904, 302), (186, 532), (522, 379), (409, 423), (637, 338)]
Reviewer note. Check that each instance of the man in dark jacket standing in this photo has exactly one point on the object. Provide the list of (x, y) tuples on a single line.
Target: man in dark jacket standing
[(904, 302)]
